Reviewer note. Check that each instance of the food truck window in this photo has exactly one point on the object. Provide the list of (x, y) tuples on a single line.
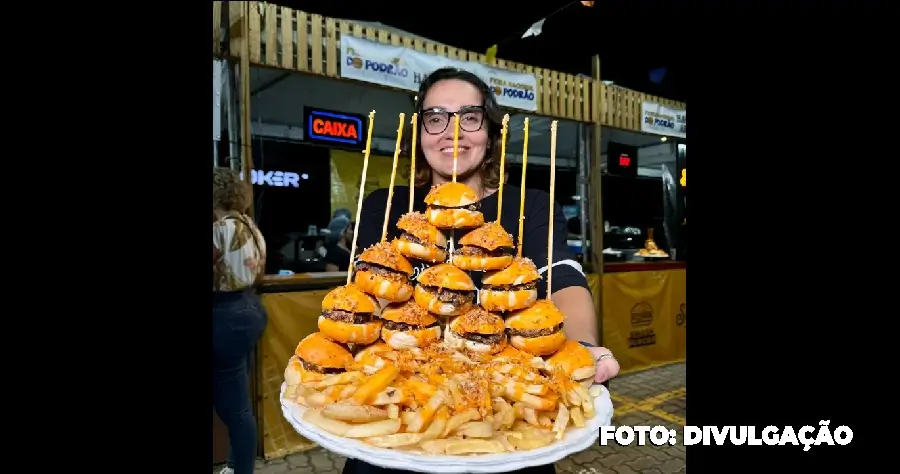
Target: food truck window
[(287, 177), (631, 206)]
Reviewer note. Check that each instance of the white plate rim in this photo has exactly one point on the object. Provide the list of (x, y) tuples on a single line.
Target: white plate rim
[(576, 440)]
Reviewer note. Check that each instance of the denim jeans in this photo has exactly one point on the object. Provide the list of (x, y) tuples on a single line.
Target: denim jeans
[(355, 466), (238, 322)]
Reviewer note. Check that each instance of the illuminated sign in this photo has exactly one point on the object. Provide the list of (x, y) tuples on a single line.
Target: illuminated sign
[(275, 178), (622, 160), (328, 127), (683, 179)]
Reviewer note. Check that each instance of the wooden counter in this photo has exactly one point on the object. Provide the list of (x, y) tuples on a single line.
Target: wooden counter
[(302, 282), (644, 266)]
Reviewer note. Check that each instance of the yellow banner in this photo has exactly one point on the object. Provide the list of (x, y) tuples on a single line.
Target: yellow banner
[(292, 316), (346, 170), (644, 317)]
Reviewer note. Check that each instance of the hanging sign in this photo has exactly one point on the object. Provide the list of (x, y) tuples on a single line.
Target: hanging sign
[(661, 120), (328, 127)]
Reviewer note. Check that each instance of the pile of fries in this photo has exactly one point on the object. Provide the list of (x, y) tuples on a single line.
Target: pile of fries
[(439, 401)]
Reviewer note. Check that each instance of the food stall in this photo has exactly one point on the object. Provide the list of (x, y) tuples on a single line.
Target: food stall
[(639, 304)]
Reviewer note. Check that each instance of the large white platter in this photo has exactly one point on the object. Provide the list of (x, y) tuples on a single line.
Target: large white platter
[(576, 440)]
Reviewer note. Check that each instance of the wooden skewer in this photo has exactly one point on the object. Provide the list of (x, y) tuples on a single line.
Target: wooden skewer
[(387, 208), (362, 186), (503, 133), (553, 126), (412, 160), (455, 143), (522, 196)]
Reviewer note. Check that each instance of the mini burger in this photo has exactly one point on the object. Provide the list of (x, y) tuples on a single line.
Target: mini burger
[(347, 316), (453, 206), (407, 325), (510, 289), (383, 272), (536, 330), (488, 247), (420, 239), (477, 330), (315, 358), (575, 361), (444, 289)]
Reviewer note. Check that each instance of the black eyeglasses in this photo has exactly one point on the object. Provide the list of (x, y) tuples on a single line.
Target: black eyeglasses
[(436, 120)]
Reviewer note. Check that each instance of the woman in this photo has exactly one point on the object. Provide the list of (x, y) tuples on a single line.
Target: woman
[(442, 94), (239, 255)]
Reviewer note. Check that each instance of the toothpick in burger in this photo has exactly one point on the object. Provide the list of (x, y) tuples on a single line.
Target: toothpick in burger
[(420, 239), (384, 273), (444, 289), (316, 357), (536, 330), (347, 316), (510, 289), (453, 206), (407, 326), (489, 247), (575, 361), (477, 330)]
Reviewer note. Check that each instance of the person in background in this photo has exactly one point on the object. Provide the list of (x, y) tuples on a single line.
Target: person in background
[(337, 245), (442, 94), (238, 320)]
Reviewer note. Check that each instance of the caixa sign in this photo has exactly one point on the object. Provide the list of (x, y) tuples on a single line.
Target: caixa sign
[(329, 127), (275, 178)]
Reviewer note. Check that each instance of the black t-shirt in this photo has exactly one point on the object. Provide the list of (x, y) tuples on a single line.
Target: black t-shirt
[(566, 269), (338, 256)]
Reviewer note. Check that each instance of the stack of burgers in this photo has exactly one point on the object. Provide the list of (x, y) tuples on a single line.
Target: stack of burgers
[(506, 320)]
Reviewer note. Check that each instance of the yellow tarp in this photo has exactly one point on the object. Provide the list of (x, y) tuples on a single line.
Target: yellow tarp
[(644, 317), (346, 169), (292, 316)]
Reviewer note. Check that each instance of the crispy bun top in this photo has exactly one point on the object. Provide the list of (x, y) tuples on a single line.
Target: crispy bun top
[(490, 236), (520, 271), (349, 298), (542, 315), (417, 224), (408, 313), (478, 321), (384, 255), (319, 350), (571, 356), (451, 195), (446, 276)]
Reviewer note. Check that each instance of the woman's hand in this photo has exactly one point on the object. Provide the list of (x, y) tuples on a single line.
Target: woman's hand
[(607, 368)]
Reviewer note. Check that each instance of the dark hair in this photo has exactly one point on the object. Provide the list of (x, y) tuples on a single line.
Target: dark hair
[(493, 116)]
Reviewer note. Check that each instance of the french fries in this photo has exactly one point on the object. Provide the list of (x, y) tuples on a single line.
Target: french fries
[(443, 403)]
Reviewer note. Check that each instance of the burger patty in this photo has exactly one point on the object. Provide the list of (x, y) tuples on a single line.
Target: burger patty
[(534, 332), (397, 326), (455, 297), (342, 316), (470, 207), (319, 369), (415, 240), (482, 338), (532, 285), (473, 251), (392, 275)]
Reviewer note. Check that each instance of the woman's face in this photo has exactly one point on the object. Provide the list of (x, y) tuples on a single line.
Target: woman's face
[(451, 95)]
